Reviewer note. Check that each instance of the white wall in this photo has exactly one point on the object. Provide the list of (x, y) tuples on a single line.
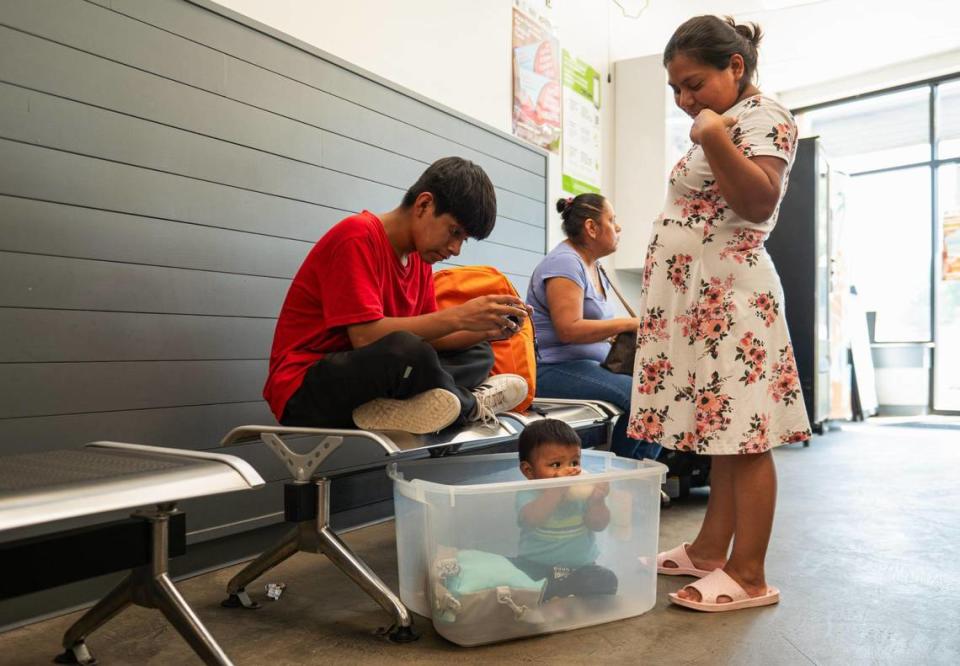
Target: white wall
[(642, 163), (809, 42), (909, 71), (457, 52)]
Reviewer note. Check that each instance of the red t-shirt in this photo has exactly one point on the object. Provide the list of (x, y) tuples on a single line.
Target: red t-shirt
[(352, 275)]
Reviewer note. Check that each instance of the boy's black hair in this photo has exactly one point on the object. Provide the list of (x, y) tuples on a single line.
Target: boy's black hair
[(546, 431), (462, 189)]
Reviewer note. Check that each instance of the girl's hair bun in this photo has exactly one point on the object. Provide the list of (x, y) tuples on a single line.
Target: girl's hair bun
[(749, 31), (575, 211)]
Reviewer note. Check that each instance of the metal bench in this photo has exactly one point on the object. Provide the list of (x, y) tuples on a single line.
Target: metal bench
[(592, 419), (40, 488), (307, 496)]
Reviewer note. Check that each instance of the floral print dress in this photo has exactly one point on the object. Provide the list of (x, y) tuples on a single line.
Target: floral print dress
[(715, 371)]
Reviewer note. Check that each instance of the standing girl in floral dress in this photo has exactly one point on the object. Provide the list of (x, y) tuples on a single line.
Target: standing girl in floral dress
[(715, 371)]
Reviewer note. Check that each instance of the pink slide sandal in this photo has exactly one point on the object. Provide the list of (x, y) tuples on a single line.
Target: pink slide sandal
[(679, 557), (719, 584)]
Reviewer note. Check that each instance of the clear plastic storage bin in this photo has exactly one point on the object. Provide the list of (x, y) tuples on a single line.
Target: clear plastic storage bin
[(463, 565)]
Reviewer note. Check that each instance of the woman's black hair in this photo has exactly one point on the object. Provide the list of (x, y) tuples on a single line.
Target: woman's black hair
[(545, 431), (575, 211), (712, 40), (461, 188)]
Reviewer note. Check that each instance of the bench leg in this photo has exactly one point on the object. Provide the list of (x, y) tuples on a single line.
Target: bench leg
[(315, 536), (267, 560), (167, 600), (75, 649), (341, 555), (148, 586)]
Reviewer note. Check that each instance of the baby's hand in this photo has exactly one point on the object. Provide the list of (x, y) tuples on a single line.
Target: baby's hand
[(600, 491), (581, 491)]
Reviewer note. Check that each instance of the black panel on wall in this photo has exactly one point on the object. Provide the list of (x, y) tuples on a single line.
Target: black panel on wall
[(164, 168), (793, 246)]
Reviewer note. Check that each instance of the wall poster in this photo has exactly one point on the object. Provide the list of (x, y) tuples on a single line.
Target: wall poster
[(536, 78), (581, 126), (951, 247)]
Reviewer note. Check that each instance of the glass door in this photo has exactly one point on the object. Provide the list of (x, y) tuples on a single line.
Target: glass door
[(900, 239), (946, 366), (887, 238)]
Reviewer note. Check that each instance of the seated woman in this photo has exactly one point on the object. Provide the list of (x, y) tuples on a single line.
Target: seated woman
[(574, 319)]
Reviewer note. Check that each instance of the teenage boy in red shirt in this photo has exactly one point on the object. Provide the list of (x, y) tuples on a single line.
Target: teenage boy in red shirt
[(359, 338)]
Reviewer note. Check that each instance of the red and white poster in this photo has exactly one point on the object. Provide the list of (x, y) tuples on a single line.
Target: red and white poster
[(536, 81), (951, 246)]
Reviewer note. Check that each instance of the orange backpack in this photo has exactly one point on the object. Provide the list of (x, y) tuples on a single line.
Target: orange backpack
[(516, 355)]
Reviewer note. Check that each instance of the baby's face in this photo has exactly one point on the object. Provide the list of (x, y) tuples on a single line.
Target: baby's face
[(551, 461)]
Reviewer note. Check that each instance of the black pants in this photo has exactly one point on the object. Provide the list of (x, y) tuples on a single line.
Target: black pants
[(588, 580), (398, 365)]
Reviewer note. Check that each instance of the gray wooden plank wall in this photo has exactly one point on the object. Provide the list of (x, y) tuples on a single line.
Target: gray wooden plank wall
[(164, 169)]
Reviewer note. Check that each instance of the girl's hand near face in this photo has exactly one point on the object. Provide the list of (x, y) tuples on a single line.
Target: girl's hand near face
[(707, 122)]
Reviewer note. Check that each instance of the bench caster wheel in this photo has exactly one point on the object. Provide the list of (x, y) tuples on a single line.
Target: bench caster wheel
[(240, 600), (78, 654), (403, 635)]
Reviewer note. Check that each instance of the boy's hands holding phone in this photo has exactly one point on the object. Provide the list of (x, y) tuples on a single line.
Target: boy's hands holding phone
[(499, 316)]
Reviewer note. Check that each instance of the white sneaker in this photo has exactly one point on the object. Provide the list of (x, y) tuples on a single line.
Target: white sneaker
[(424, 413), (498, 394)]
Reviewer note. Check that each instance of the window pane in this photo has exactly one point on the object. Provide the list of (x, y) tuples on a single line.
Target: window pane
[(946, 368), (948, 120), (873, 133), (886, 237)]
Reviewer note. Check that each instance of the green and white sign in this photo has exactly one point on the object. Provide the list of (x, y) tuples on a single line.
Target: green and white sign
[(581, 126)]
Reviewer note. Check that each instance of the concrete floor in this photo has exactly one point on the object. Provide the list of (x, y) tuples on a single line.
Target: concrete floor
[(865, 552)]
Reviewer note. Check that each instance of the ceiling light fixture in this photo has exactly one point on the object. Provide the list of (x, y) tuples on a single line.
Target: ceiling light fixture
[(636, 8)]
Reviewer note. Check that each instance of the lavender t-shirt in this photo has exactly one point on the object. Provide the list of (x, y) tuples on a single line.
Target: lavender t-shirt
[(563, 261)]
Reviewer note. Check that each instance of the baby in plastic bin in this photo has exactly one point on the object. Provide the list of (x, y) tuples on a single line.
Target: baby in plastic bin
[(558, 525)]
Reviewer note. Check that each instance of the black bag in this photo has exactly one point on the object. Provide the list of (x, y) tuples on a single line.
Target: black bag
[(622, 353), (623, 349), (692, 470)]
